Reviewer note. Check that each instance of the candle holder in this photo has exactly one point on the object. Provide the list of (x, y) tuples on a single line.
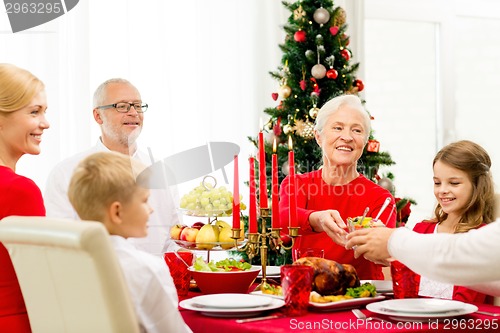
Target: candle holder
[(258, 242)]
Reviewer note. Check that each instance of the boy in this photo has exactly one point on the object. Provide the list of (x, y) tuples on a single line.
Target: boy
[(104, 188)]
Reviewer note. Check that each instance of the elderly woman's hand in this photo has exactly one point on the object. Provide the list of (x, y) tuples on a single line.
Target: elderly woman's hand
[(371, 243), (330, 222)]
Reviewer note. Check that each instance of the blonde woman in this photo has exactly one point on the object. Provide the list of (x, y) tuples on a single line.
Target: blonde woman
[(22, 122)]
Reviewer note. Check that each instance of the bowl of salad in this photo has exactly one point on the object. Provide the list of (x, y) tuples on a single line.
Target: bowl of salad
[(225, 276), (359, 222)]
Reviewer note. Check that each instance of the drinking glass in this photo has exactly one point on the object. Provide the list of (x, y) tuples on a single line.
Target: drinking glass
[(308, 252), (296, 283), (178, 264), (405, 282)]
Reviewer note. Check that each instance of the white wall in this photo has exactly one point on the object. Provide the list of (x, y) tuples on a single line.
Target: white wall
[(431, 78), (201, 66)]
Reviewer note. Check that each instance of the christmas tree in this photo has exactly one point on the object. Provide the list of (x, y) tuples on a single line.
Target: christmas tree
[(315, 67)]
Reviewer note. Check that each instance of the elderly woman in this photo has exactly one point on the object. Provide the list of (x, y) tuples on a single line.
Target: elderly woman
[(22, 122), (328, 196)]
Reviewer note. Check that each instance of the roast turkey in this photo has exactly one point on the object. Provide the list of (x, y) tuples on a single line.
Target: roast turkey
[(330, 277)]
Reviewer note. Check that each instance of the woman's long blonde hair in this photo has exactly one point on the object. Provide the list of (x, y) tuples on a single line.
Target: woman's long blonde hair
[(18, 87)]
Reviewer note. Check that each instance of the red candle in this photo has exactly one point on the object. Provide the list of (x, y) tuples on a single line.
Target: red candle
[(236, 196), (291, 186), (262, 173), (252, 215), (275, 189)]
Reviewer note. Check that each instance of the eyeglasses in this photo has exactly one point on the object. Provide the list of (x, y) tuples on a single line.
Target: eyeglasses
[(124, 107)]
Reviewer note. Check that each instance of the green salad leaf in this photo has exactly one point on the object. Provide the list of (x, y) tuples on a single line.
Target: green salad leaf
[(365, 290), (202, 266), (230, 264), (220, 266)]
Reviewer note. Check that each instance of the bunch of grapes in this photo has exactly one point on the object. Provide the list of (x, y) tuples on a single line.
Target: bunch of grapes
[(206, 199)]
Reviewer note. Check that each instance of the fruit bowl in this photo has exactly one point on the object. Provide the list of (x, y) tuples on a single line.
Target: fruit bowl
[(206, 213), (212, 246), (236, 282), (215, 235)]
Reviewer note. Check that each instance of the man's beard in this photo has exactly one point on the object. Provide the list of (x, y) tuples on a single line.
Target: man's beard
[(133, 136), (125, 140)]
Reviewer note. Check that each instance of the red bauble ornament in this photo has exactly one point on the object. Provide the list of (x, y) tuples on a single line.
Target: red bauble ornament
[(332, 74), (334, 30), (316, 89), (359, 84), (300, 36), (274, 96), (303, 85), (345, 54)]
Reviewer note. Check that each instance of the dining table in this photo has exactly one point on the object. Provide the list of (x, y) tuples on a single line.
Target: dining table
[(339, 320)]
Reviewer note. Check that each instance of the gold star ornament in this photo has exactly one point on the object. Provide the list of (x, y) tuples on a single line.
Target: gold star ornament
[(299, 13)]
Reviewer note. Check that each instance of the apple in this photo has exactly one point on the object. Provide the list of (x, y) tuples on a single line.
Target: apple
[(198, 225), (188, 234), (175, 231)]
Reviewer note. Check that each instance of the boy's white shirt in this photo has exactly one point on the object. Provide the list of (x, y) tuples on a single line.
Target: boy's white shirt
[(151, 287)]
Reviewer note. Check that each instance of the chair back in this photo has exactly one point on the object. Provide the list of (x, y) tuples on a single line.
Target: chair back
[(69, 275)]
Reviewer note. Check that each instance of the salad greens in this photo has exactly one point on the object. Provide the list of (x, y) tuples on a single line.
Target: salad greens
[(365, 290), (225, 265)]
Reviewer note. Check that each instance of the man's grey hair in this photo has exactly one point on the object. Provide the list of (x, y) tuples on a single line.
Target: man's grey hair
[(100, 92)]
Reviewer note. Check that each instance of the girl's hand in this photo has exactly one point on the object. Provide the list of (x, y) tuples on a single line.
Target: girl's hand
[(370, 243)]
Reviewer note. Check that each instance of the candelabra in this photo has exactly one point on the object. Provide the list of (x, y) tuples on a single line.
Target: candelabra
[(258, 242)]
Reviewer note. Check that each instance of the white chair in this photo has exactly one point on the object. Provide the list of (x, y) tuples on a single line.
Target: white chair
[(69, 275)]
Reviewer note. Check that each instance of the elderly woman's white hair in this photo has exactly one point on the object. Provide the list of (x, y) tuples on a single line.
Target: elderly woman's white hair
[(334, 105)]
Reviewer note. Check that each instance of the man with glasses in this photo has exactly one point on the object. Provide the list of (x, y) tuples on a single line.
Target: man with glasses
[(119, 111)]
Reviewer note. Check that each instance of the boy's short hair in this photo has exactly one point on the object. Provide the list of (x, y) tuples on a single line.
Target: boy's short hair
[(101, 179)]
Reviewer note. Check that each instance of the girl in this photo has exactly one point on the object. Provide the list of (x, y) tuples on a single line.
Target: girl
[(464, 190)]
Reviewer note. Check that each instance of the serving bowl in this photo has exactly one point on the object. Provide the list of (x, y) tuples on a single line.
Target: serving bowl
[(236, 282)]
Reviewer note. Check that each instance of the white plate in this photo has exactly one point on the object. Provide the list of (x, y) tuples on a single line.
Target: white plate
[(381, 308), (424, 305), (230, 301), (383, 286), (346, 304), (229, 313), (271, 271), (260, 293)]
